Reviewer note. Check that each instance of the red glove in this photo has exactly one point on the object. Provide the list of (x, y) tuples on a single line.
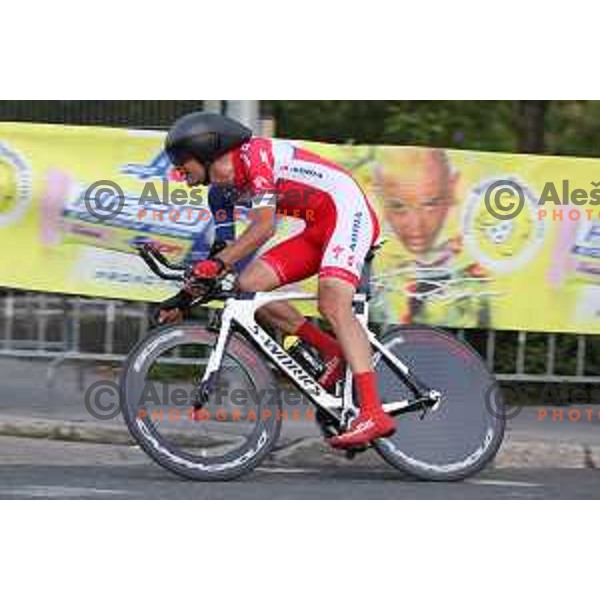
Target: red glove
[(208, 269)]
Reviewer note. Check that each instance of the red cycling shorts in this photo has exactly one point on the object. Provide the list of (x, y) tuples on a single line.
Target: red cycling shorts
[(334, 244)]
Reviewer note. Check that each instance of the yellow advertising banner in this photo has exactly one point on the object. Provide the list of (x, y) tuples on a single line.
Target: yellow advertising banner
[(474, 239)]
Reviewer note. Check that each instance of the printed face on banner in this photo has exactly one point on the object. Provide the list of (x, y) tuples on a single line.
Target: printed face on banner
[(417, 188)]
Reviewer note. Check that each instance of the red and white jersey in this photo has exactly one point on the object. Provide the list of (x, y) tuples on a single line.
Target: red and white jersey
[(300, 180), (341, 225)]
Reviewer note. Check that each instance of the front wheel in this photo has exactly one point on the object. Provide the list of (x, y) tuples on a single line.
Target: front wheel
[(464, 433), (240, 418)]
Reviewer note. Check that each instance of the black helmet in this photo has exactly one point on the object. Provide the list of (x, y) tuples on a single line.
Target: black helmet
[(205, 137)]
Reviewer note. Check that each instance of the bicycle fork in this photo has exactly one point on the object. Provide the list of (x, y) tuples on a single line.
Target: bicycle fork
[(205, 385)]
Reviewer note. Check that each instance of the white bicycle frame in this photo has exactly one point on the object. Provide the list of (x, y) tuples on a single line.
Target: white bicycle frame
[(241, 311)]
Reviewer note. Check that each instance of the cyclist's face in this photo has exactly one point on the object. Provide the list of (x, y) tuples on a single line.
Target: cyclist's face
[(417, 210), (193, 172)]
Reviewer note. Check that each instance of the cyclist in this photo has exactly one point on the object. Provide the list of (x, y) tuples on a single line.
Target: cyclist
[(275, 176)]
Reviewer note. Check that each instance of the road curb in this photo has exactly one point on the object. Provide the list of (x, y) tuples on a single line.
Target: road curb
[(92, 433), (546, 455), (530, 454), (67, 431), (305, 452)]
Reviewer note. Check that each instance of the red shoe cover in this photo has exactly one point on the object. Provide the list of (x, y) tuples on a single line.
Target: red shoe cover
[(366, 428)]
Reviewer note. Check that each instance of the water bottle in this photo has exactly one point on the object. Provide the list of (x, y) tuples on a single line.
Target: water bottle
[(308, 358)]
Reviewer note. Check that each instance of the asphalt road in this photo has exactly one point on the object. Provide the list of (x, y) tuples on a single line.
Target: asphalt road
[(42, 469), (32, 468)]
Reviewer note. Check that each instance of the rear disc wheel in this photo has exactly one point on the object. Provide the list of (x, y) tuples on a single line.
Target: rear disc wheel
[(463, 434)]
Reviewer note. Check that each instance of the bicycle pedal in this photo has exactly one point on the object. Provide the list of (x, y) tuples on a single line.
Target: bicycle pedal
[(352, 452)]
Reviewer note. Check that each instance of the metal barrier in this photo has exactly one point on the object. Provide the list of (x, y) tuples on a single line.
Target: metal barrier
[(61, 328), (44, 325), (556, 357)]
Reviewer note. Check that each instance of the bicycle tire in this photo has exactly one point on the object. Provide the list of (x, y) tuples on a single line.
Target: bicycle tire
[(234, 463), (464, 434)]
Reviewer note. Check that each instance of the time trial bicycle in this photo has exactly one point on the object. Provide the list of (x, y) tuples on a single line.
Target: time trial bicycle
[(448, 405)]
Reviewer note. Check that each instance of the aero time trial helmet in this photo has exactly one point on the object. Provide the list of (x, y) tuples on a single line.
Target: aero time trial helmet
[(205, 137)]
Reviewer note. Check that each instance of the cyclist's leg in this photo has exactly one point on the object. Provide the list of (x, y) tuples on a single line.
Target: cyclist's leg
[(339, 276), (335, 304), (296, 260), (352, 232), (355, 232), (260, 277), (292, 260)]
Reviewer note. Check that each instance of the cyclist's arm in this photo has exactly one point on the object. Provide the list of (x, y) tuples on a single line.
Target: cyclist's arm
[(257, 157), (260, 231), (221, 204)]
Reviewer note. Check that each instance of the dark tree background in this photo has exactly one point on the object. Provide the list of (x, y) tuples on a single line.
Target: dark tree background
[(534, 126)]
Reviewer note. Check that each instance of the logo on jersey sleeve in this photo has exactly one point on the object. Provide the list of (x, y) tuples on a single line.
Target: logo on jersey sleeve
[(261, 183)]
